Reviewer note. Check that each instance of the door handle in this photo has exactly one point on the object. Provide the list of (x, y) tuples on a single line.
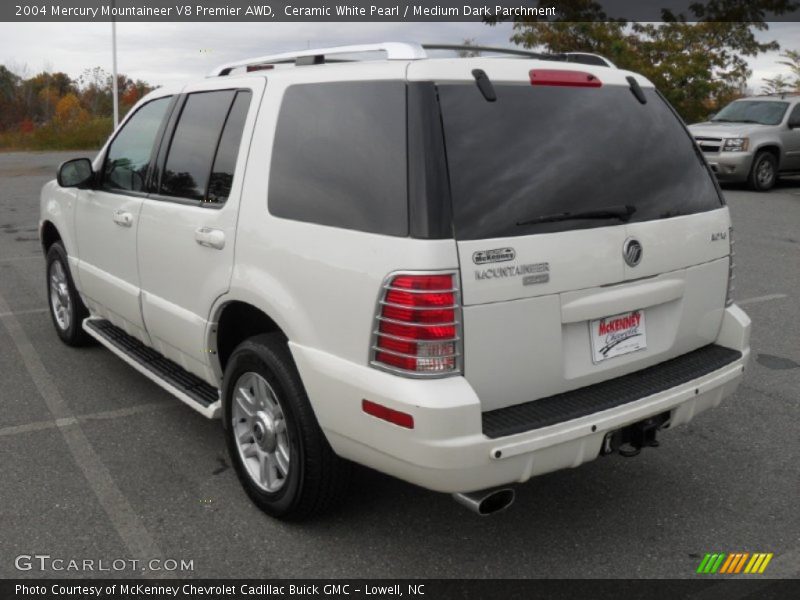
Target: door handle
[(210, 238), (123, 218)]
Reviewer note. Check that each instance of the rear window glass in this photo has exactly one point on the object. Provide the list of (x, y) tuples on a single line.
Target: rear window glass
[(545, 151), (339, 156)]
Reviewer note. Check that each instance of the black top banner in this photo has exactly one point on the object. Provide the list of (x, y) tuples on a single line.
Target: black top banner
[(396, 10)]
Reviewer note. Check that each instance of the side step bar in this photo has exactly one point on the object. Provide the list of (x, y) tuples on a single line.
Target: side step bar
[(185, 386)]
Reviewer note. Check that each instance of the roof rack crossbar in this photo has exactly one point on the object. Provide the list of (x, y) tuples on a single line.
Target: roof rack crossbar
[(393, 50)]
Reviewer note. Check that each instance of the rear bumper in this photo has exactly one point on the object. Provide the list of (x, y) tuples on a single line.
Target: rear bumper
[(730, 166), (448, 451)]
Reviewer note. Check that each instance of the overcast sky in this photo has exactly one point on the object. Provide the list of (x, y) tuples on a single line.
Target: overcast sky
[(163, 53)]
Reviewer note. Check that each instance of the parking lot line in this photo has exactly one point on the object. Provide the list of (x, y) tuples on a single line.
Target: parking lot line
[(30, 311), (16, 258), (97, 416), (757, 299), (134, 535)]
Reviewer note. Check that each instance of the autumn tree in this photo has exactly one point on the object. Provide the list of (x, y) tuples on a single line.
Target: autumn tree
[(69, 111)]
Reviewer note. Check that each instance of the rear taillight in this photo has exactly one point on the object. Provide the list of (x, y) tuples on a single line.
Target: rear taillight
[(731, 265), (418, 325), (561, 77)]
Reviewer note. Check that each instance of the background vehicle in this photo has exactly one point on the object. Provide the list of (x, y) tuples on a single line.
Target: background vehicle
[(432, 267), (753, 139)]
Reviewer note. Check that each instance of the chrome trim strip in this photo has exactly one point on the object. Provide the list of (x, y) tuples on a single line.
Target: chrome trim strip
[(396, 322), (415, 356), (394, 305), (405, 339), (443, 291)]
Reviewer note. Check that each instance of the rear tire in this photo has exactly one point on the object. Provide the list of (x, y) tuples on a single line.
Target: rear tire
[(764, 172), (66, 307), (279, 452)]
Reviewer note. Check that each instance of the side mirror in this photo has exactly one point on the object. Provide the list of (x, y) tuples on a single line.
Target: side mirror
[(711, 116), (794, 122), (75, 173)]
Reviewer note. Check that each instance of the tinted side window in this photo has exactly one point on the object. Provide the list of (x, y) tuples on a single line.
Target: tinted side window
[(194, 143), (219, 184), (339, 156), (129, 154)]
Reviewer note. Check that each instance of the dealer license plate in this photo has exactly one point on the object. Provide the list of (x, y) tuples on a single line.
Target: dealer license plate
[(617, 335)]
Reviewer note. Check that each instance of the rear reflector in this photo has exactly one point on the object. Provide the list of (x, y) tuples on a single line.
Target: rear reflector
[(387, 414), (560, 77), (417, 326)]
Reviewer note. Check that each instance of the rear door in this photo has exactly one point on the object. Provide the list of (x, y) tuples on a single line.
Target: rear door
[(187, 227), (552, 185)]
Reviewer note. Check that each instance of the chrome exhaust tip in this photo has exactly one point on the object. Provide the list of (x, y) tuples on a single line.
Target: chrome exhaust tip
[(486, 502)]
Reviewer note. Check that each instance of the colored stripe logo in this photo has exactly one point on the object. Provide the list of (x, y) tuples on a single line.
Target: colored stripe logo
[(734, 563)]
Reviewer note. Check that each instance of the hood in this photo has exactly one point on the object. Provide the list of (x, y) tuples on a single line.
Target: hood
[(712, 129)]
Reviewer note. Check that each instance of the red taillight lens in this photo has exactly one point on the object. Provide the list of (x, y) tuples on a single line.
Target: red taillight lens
[(417, 327), (423, 282), (429, 332), (560, 77), (416, 300)]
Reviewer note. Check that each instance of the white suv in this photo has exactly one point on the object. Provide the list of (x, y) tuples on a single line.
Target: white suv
[(461, 272)]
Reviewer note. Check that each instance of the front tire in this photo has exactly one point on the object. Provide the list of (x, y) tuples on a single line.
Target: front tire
[(278, 450), (66, 307), (764, 172)]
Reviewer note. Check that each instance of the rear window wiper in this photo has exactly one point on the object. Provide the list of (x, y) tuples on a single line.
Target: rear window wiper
[(621, 212)]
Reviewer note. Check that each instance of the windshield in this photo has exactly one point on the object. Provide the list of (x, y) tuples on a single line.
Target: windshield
[(540, 151), (752, 111)]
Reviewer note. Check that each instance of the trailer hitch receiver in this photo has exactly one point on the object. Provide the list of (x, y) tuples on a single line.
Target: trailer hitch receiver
[(630, 440)]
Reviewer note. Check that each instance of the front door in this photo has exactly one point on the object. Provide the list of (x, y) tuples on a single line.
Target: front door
[(107, 221), (791, 142)]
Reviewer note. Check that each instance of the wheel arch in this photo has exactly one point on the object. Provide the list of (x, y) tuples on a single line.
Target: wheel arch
[(48, 235), (773, 148), (233, 322)]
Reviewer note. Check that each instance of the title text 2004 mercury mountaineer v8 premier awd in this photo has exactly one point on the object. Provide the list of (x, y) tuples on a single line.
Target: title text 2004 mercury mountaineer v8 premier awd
[(461, 272)]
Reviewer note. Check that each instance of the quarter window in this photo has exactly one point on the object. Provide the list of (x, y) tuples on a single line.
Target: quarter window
[(339, 156), (129, 154)]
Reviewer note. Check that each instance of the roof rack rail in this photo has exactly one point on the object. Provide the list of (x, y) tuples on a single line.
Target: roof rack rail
[(393, 50), (585, 58), (399, 51), (510, 51)]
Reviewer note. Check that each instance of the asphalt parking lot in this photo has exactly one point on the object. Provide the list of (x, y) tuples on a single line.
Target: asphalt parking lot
[(96, 462)]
